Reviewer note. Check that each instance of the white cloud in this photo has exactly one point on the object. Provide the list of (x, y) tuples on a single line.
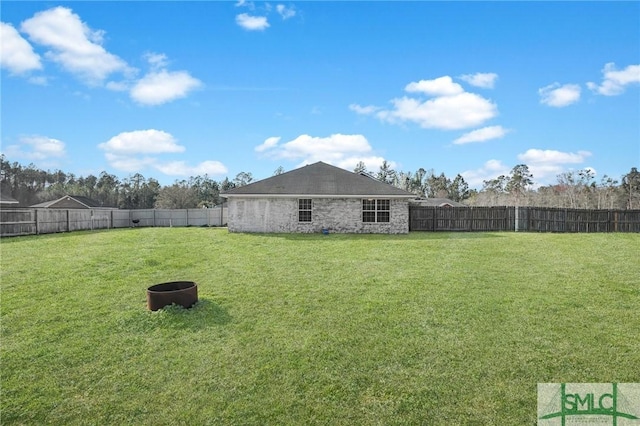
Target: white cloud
[(557, 95), (244, 3), (252, 23), (39, 80), (285, 12), (333, 147), (74, 45), (482, 135), (134, 164), (545, 165), (442, 86), (490, 170), (16, 54), (118, 86), (268, 144), (156, 60), (593, 171), (136, 150), (149, 141), (36, 148), (446, 112), (615, 81), (483, 80), (159, 87), (181, 168), (128, 163), (550, 156), (258, 18), (365, 110), (452, 108), (341, 150), (372, 163), (78, 49)]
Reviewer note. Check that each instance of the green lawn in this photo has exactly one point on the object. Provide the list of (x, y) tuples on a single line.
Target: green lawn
[(425, 328)]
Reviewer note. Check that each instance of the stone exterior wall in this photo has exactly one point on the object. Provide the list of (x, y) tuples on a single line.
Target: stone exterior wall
[(339, 215)]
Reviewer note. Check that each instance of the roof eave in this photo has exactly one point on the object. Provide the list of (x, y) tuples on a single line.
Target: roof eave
[(399, 196)]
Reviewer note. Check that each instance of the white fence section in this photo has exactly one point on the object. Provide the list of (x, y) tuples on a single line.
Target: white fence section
[(15, 222)]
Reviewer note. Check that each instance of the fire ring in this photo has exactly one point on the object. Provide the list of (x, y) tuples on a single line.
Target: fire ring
[(184, 293)]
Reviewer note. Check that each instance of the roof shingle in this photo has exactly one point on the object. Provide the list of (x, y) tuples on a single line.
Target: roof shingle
[(78, 199), (319, 179)]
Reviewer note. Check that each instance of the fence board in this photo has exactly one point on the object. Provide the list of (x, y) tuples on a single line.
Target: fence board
[(534, 219), (431, 218), (52, 221), (14, 222)]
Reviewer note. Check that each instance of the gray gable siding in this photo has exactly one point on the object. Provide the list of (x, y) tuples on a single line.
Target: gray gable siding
[(338, 215), (69, 202)]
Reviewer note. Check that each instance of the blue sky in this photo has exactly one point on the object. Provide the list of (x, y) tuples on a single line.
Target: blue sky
[(174, 89)]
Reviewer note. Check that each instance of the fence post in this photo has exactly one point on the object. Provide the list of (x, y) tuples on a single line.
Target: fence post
[(68, 222), (435, 219), (37, 227), (517, 221)]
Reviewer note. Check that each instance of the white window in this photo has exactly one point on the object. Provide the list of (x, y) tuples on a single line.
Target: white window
[(375, 210), (304, 210)]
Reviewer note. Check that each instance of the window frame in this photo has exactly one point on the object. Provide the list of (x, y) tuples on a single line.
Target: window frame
[(376, 210), (305, 207)]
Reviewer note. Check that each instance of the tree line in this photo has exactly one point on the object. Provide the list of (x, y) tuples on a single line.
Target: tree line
[(31, 185), (575, 189)]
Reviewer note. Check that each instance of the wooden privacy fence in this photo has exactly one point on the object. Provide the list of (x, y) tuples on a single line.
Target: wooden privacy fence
[(533, 219), (15, 222)]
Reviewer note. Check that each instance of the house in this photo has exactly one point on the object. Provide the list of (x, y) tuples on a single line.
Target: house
[(437, 202), (318, 198), (8, 201), (70, 202)]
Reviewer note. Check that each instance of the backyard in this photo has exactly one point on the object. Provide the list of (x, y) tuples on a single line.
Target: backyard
[(424, 328)]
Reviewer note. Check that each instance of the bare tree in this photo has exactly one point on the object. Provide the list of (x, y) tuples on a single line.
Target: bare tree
[(242, 179)]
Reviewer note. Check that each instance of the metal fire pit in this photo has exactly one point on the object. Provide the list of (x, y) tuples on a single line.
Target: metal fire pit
[(184, 293)]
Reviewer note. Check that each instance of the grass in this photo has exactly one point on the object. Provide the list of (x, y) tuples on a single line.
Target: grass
[(425, 328)]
